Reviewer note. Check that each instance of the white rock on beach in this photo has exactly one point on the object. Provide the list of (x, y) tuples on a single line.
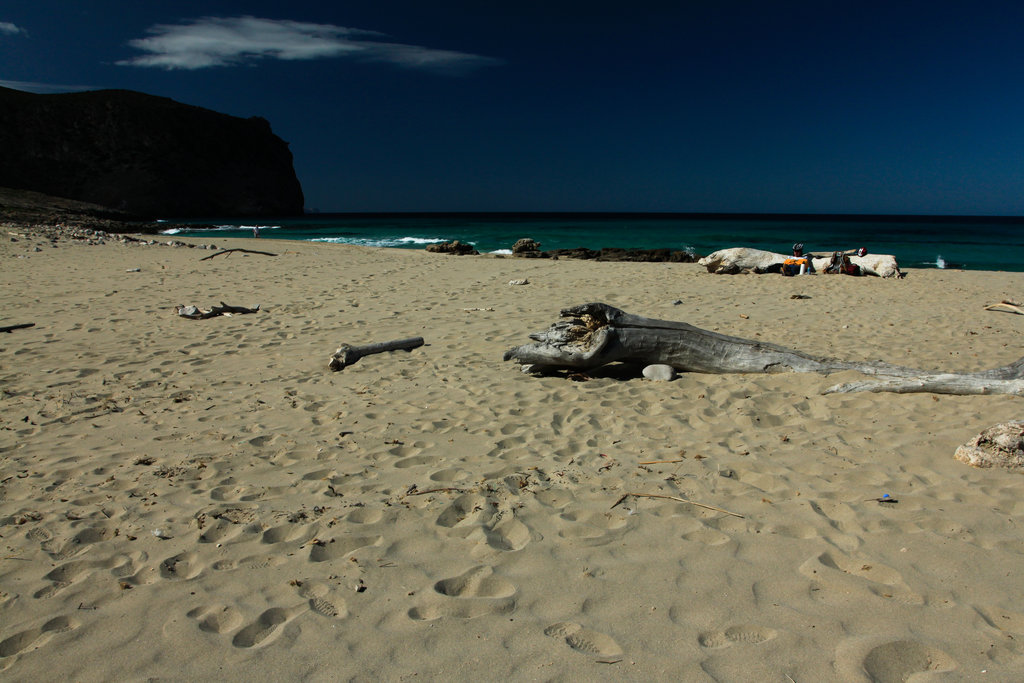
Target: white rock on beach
[(743, 259), (660, 372)]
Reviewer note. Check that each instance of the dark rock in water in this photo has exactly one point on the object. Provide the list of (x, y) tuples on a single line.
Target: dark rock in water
[(620, 254), (647, 255), (456, 247), (578, 253), (526, 247), (145, 155), (529, 248)]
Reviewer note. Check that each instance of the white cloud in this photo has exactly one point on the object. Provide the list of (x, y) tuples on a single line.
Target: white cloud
[(227, 41), (44, 88), (7, 28)]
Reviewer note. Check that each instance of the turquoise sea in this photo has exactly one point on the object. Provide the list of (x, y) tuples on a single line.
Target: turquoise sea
[(978, 243)]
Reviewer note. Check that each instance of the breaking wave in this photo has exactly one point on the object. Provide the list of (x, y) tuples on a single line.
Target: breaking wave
[(380, 241), (184, 230)]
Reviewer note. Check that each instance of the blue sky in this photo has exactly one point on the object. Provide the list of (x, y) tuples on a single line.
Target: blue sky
[(542, 105)]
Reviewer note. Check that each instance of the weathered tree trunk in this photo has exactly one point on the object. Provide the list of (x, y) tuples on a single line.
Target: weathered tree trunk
[(195, 313), (596, 334), (347, 354)]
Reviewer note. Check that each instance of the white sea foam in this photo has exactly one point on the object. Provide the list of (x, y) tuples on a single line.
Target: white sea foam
[(380, 242), (502, 252), (940, 262), (215, 228)]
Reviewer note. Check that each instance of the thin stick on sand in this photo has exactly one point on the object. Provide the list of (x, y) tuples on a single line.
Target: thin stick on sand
[(244, 251), (446, 489), (660, 462), (679, 500)]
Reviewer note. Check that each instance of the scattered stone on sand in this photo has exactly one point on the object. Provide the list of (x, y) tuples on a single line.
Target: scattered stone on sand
[(660, 372), (1001, 445)]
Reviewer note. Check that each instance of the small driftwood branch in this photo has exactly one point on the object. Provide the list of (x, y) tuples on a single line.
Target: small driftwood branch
[(194, 313), (443, 489), (11, 328), (244, 251), (596, 334), (347, 354), (675, 498), (1007, 306)]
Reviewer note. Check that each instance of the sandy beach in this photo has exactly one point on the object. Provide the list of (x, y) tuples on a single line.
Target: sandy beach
[(204, 500)]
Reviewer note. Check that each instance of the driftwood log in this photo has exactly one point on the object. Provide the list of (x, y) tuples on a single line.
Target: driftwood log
[(1007, 306), (347, 354), (195, 313), (596, 334), (231, 251), (21, 326)]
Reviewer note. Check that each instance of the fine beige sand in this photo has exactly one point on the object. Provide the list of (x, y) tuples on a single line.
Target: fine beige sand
[(190, 500)]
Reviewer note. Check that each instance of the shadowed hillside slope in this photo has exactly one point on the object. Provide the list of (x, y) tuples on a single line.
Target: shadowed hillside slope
[(145, 155)]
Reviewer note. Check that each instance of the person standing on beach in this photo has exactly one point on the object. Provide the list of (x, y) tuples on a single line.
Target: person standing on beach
[(256, 231)]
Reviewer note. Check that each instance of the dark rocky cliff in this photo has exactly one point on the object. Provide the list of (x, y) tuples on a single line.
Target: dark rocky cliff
[(149, 156)]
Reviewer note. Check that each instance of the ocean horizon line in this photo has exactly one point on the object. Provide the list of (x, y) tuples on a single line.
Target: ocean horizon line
[(839, 217)]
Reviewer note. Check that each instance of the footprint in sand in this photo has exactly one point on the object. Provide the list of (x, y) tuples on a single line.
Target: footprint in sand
[(94, 534), (62, 550), (474, 593), (251, 562), (892, 661), (1004, 620), (39, 534), (840, 516), (320, 602), (595, 528), (34, 637), (505, 532), (341, 546), (364, 516), (707, 536), (464, 509), (217, 618), (478, 582), (267, 626), (228, 493), (584, 640), (220, 532), (416, 461), (67, 574), (750, 635), (181, 566), (288, 533), (896, 661), (844, 572)]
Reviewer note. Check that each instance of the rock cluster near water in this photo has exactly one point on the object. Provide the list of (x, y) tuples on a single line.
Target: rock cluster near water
[(37, 236), (39, 220), (529, 248), (456, 247)]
